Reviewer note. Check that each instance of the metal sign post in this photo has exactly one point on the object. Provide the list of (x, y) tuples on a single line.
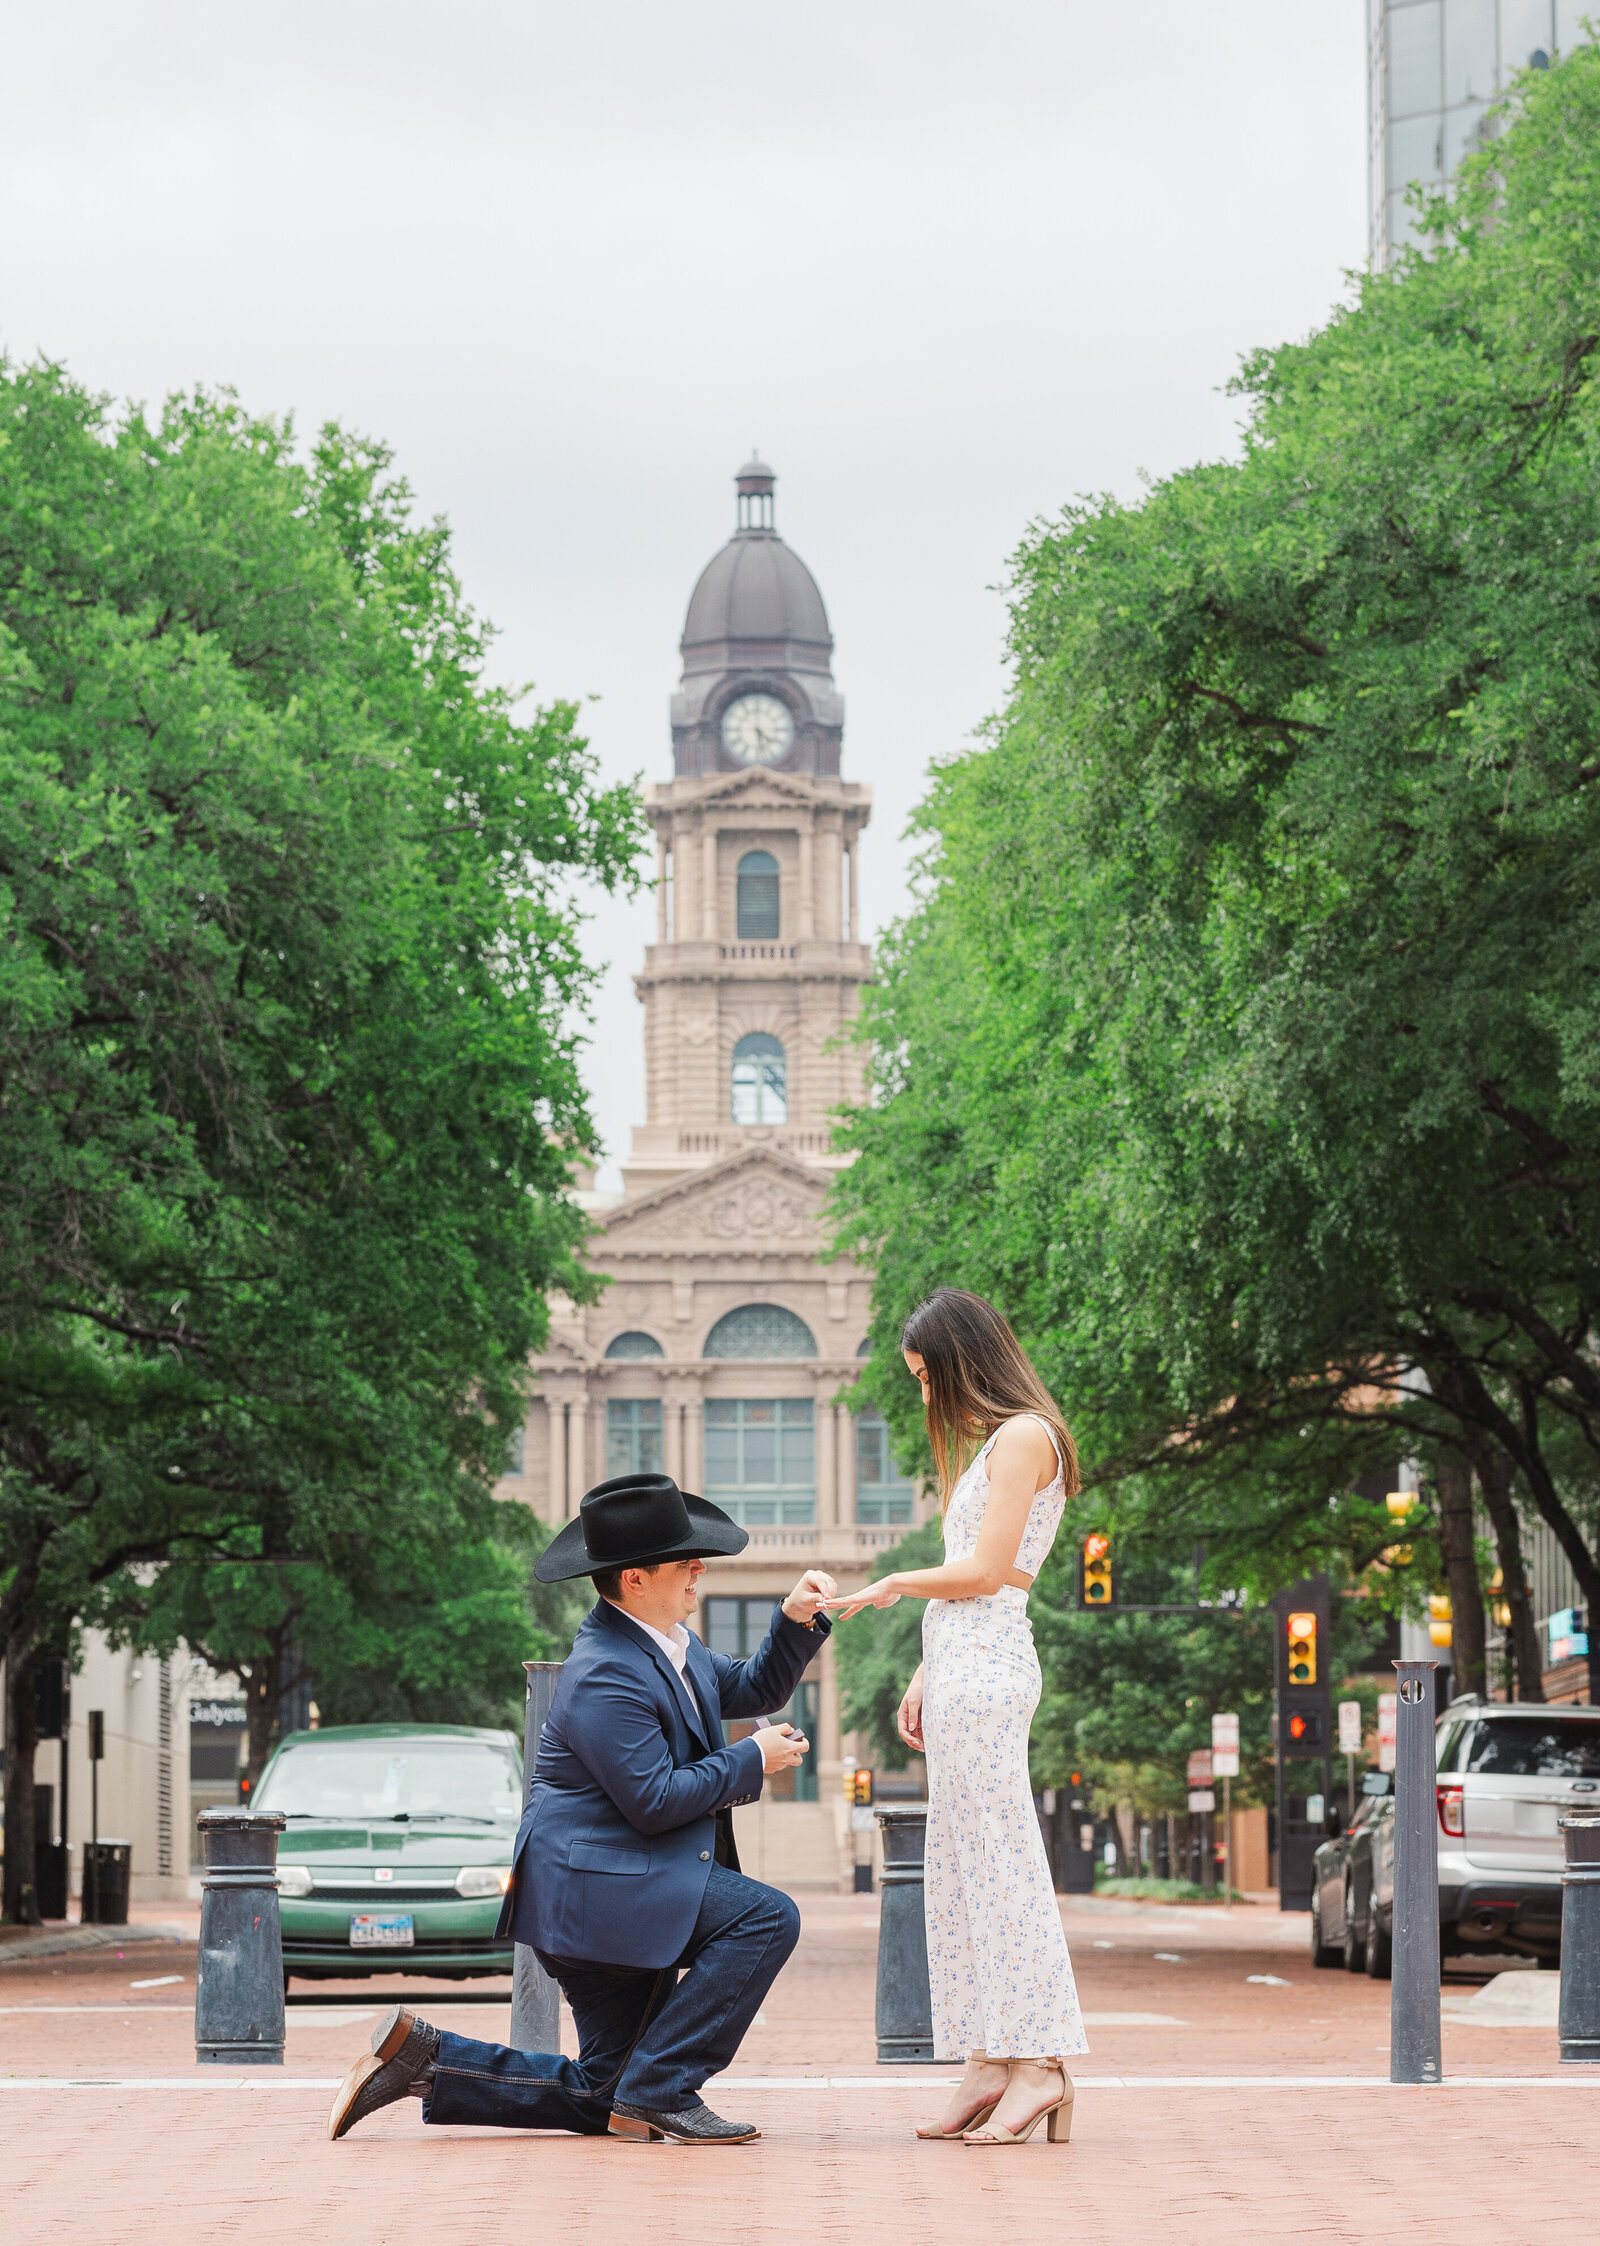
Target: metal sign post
[(1225, 1765), (1350, 1747), (1202, 1802), (1414, 2046)]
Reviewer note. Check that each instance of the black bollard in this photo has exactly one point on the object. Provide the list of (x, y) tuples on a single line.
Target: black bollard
[(238, 1998), (1415, 2053), (1580, 1942), (905, 2008), (535, 1998)]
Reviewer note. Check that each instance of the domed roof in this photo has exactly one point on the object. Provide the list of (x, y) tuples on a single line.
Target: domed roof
[(756, 602), (757, 588)]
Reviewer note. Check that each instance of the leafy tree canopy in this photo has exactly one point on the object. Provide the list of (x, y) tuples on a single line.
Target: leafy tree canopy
[(289, 987), (1245, 1040)]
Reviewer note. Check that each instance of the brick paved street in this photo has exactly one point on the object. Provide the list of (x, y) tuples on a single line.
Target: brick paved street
[(1167, 2135)]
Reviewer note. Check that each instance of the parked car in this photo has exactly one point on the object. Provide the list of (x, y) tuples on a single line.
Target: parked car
[(397, 1849), (1341, 1878), (1506, 1772)]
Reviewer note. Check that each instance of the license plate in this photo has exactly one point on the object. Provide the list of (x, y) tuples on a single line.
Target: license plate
[(385, 1930)]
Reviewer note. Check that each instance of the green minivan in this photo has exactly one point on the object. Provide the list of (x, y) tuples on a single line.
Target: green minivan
[(397, 1848)]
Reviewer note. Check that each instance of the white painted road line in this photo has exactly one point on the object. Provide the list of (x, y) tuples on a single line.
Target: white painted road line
[(268, 2078)]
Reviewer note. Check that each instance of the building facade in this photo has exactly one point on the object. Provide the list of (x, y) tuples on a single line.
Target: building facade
[(723, 1346), (1433, 69)]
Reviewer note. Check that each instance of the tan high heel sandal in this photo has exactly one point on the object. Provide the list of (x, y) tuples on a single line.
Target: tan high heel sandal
[(975, 2120), (1057, 2116)]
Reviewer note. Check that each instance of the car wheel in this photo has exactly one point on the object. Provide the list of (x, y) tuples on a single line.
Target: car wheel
[(1321, 1952), (1380, 1948), (1355, 1949)]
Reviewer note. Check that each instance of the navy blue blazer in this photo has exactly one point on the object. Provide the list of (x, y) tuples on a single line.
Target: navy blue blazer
[(617, 1841)]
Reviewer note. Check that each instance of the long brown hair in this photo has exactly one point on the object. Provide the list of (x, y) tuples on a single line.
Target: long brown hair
[(979, 1376)]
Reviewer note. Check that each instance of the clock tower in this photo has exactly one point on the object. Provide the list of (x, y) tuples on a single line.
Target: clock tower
[(757, 963), (727, 1340)]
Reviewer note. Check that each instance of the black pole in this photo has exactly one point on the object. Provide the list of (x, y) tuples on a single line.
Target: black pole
[(905, 2002), (535, 1998), (238, 1998), (1415, 2053), (1580, 1942)]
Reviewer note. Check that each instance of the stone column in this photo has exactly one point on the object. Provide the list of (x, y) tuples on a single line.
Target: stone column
[(577, 1461), (847, 1466), (854, 858), (694, 1442), (661, 887), (808, 883), (708, 882), (825, 1451), (830, 1753), (672, 1438), (832, 884), (556, 1500)]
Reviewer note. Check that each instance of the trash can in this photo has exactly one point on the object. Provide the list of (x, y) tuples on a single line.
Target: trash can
[(107, 1875)]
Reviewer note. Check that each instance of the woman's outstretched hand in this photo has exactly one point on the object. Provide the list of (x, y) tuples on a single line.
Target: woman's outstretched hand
[(881, 1594)]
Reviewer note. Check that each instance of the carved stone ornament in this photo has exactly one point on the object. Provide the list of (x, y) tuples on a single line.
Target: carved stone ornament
[(759, 1209)]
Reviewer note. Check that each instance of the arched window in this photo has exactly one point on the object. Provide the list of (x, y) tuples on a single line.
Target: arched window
[(760, 1080), (635, 1344), (758, 894), (761, 1329)]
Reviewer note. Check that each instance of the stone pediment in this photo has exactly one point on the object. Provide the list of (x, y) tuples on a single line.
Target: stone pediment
[(757, 1196), (759, 790)]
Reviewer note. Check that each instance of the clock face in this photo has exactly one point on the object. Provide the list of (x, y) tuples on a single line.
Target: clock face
[(757, 729)]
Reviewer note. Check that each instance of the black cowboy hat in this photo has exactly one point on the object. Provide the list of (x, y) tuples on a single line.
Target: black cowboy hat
[(636, 1521)]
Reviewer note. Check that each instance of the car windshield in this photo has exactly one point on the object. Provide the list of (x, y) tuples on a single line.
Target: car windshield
[(381, 1778), (1535, 1747)]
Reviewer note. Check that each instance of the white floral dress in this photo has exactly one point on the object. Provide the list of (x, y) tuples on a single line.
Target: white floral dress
[(998, 1967)]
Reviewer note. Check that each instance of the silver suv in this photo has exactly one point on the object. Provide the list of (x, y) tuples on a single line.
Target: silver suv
[(1507, 1771)]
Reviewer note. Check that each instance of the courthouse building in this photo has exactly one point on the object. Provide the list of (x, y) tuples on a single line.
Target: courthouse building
[(721, 1348)]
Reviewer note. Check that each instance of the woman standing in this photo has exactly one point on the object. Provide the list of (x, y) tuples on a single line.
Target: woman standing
[(1003, 1992)]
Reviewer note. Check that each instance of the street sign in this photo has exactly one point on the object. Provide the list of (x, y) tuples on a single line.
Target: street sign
[(1200, 1767), (1225, 1746), (1349, 1727), (1201, 1797), (1386, 1730)]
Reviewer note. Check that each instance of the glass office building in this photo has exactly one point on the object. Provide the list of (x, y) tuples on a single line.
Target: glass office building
[(1433, 69)]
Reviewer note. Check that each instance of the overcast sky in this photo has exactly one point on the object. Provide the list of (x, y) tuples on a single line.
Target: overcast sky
[(948, 265)]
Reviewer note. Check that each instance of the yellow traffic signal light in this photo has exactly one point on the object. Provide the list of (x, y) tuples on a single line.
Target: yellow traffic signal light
[(1302, 1649), (1094, 1580), (1439, 1619), (858, 1788)]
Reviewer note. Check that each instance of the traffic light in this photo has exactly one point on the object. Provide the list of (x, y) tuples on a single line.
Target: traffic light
[(1304, 1730), (1094, 1571), (858, 1788), (1302, 1649)]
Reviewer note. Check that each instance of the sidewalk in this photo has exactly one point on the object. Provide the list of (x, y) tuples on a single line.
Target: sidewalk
[(1228, 2090)]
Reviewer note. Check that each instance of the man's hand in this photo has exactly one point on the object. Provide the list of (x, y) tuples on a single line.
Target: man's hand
[(782, 1747), (811, 1592)]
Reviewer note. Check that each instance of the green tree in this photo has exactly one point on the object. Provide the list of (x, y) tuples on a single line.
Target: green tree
[(430, 1624), (1243, 1040), (290, 992)]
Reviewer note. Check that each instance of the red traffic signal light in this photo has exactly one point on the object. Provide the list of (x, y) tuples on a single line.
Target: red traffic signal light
[(1304, 1728)]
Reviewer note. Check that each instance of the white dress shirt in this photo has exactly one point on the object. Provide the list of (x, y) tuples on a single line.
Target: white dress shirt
[(676, 1649)]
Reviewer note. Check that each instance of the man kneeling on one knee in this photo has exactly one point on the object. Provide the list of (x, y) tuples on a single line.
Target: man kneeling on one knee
[(625, 1881)]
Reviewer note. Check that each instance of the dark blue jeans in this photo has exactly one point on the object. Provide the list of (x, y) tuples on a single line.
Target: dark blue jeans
[(644, 2039)]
